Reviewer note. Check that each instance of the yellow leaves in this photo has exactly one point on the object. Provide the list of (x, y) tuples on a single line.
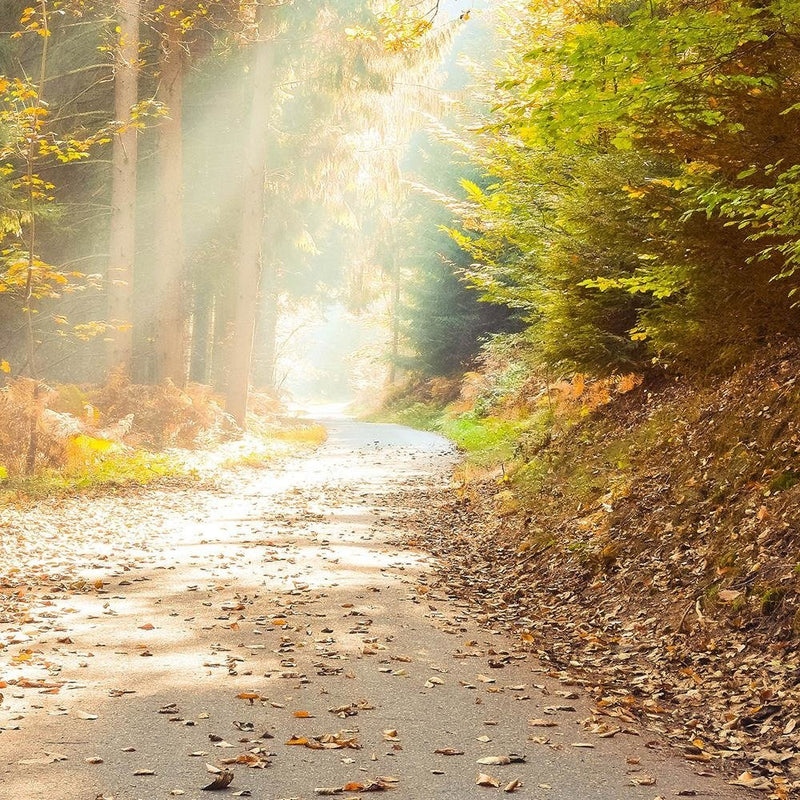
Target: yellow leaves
[(506, 503), (5, 367), (361, 33), (634, 191), (82, 451), (22, 656), (627, 383)]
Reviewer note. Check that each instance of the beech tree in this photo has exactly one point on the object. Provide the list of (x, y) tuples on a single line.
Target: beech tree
[(248, 275), (124, 163), (170, 302)]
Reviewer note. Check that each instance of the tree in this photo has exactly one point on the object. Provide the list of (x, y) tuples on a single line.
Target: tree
[(625, 210), (248, 277), (170, 300), (124, 161)]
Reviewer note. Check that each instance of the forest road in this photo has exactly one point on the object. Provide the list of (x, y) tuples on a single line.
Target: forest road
[(256, 609)]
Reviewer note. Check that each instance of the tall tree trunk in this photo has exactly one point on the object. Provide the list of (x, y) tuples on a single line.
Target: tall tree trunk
[(202, 335), (252, 220), (394, 272), (170, 302), (266, 348), (223, 327), (122, 246)]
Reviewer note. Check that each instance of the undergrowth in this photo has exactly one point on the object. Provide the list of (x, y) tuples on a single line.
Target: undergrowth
[(67, 438), (603, 473), (115, 469)]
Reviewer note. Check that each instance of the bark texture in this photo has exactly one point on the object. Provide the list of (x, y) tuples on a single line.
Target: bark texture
[(122, 244), (252, 224), (169, 300)]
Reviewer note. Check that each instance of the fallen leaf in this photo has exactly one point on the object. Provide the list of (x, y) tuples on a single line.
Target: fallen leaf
[(222, 780)]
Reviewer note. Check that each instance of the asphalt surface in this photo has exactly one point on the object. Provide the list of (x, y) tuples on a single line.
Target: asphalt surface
[(294, 588)]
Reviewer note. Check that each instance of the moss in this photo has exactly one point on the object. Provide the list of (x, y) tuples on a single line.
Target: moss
[(771, 600), (784, 480)]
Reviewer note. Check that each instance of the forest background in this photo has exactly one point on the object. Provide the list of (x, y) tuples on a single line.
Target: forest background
[(568, 234)]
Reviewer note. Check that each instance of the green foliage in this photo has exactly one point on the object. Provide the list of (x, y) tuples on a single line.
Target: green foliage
[(443, 322), (640, 203)]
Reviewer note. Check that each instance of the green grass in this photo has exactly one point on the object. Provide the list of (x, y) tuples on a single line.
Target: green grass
[(422, 416), (137, 468), (486, 439)]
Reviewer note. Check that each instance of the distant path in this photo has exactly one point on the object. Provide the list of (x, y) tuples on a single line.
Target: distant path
[(294, 587)]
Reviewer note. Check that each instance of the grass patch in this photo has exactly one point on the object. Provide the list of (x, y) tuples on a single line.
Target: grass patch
[(310, 435), (256, 459), (486, 439), (422, 416), (113, 469)]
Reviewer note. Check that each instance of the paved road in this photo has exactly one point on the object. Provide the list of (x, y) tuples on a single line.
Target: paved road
[(293, 589)]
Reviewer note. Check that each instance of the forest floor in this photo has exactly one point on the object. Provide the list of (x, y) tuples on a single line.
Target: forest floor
[(282, 625)]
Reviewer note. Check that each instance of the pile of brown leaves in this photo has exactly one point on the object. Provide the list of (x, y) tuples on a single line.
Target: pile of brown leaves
[(669, 584)]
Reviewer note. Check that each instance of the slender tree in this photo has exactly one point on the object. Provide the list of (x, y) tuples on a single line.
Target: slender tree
[(123, 189), (170, 303), (248, 278)]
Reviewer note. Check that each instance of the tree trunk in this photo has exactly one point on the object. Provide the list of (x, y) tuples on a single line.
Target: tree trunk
[(250, 234), (395, 312), (170, 303), (223, 326), (122, 246), (201, 335), (266, 350)]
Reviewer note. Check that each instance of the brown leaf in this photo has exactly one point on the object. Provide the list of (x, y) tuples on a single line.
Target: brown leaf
[(222, 781)]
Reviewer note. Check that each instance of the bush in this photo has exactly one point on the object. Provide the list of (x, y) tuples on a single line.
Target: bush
[(160, 416), (28, 431)]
